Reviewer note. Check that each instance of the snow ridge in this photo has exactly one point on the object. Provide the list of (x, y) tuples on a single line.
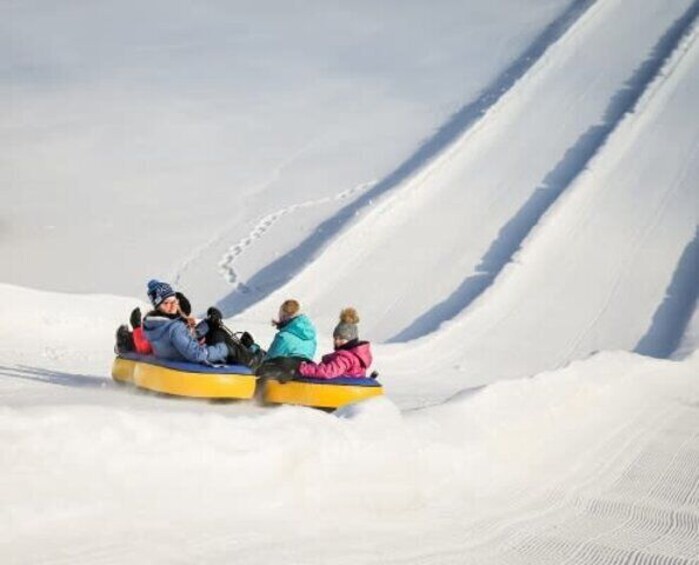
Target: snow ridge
[(577, 158)]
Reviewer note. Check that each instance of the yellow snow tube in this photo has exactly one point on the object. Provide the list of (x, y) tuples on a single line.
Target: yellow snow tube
[(321, 393), (184, 379), (123, 369)]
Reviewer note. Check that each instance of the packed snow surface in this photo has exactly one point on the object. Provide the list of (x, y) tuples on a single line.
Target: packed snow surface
[(505, 190)]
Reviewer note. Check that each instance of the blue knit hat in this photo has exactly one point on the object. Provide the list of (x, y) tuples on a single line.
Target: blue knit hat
[(159, 291)]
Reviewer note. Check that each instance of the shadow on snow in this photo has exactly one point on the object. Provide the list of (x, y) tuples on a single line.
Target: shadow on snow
[(55, 377), (674, 313)]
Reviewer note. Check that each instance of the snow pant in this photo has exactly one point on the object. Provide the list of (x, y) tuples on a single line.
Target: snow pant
[(238, 354), (282, 369)]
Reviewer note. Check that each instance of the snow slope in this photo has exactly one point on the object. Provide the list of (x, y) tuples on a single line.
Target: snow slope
[(527, 273), (541, 133), (594, 463)]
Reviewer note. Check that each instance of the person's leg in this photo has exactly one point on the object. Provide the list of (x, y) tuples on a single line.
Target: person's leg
[(215, 335), (282, 369), (238, 354)]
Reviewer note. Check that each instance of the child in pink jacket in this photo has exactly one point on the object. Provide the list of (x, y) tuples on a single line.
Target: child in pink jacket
[(351, 357)]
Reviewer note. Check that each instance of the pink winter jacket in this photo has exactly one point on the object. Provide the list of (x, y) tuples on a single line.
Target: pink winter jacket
[(350, 362)]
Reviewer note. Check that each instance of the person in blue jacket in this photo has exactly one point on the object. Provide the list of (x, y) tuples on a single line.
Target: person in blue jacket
[(177, 337), (294, 342)]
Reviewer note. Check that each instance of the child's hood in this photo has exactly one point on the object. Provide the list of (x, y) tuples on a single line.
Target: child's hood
[(363, 351)]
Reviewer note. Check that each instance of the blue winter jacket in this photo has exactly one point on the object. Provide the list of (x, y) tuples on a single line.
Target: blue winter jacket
[(296, 338), (171, 339)]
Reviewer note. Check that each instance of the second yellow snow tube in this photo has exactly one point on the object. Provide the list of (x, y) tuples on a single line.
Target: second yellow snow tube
[(321, 393)]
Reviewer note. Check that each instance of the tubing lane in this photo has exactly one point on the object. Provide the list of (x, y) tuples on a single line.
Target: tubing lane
[(464, 213)]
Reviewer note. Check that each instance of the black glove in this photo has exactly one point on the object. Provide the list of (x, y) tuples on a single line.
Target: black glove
[(214, 316), (135, 318), (185, 306), (247, 340)]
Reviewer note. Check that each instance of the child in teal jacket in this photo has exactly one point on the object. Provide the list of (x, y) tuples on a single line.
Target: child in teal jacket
[(294, 342)]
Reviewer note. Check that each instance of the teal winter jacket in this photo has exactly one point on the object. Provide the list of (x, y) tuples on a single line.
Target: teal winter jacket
[(295, 338)]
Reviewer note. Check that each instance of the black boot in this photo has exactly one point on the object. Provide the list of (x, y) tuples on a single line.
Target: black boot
[(124, 340)]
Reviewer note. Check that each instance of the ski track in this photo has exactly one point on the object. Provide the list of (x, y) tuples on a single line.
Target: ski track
[(600, 520), (650, 522), (461, 122), (631, 499), (226, 265), (525, 536)]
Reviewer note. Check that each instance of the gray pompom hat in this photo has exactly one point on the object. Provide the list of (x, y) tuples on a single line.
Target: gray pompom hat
[(347, 328)]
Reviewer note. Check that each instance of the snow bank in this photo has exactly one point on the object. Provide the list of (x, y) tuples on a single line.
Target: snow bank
[(60, 330), (87, 476), (86, 467)]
